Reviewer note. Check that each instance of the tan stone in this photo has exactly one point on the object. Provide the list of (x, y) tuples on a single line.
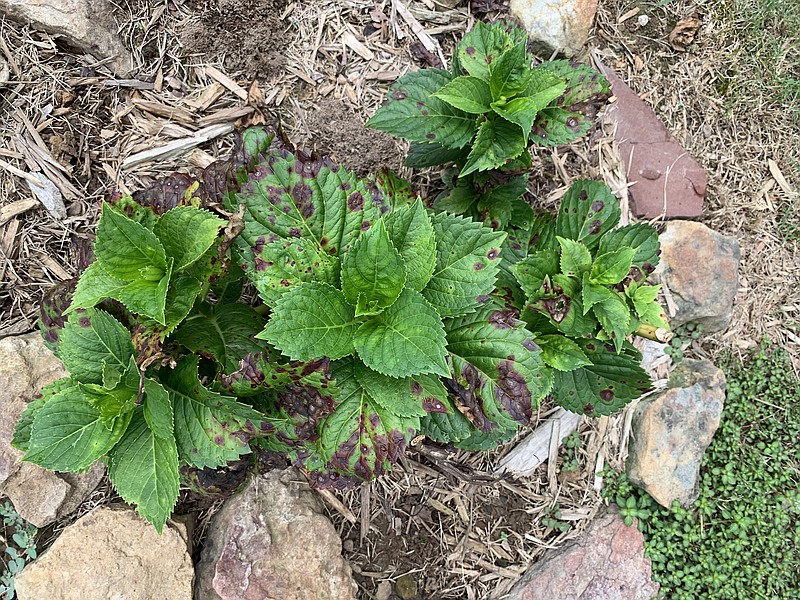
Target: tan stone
[(272, 541), (87, 25), (558, 24), (672, 430), (113, 555)]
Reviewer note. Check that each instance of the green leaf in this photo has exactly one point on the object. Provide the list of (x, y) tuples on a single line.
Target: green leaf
[(498, 367), (430, 155), (587, 211), (615, 319), (144, 470), (429, 391), (584, 84), (561, 353), (534, 270), (642, 237), (223, 331), (148, 297), (498, 141), (68, 433), (186, 233), (282, 264), (521, 111), (22, 429), (390, 393), (310, 321), (604, 387), (555, 126), (210, 429), (124, 247), (92, 339), (157, 409), (470, 94), (575, 257), (480, 441), (612, 267), (405, 339), (94, 286), (111, 403), (447, 427), (373, 273), (361, 439), (544, 86), (499, 202), (411, 232), (509, 73), (466, 264), (414, 113), (480, 47), (593, 293), (647, 308)]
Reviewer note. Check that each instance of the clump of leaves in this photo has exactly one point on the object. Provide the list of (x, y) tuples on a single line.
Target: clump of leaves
[(19, 539), (580, 284), (484, 113), (743, 531)]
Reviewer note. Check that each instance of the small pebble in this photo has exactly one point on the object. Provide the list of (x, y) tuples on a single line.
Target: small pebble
[(406, 587), (643, 20), (384, 591)]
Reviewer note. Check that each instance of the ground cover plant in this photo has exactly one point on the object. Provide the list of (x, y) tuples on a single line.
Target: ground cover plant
[(377, 319), (741, 538)]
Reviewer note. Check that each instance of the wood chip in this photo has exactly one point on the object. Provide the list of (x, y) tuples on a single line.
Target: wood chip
[(163, 110), (177, 147), (9, 211), (352, 42), (431, 45), (631, 13), (779, 178), (226, 115), (49, 195), (207, 97), (229, 83), (52, 266)]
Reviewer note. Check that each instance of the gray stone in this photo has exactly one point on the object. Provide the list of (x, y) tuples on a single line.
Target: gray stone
[(672, 430), (272, 541), (607, 563), (87, 25), (38, 495), (111, 554), (558, 24), (701, 269)]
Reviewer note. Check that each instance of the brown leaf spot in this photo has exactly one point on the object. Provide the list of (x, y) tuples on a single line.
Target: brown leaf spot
[(606, 395), (84, 322), (493, 254), (355, 202), (432, 405), (512, 392), (594, 227), (597, 205), (399, 95), (478, 266)]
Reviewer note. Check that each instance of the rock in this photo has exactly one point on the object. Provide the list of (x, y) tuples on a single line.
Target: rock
[(672, 430), (557, 24), (607, 563), (114, 555), (406, 587), (273, 542), (38, 495), (85, 24), (666, 180), (701, 269)]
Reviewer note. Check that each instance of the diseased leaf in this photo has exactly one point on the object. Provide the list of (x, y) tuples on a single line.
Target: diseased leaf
[(210, 429), (587, 211), (373, 273), (279, 265), (260, 372), (470, 94), (604, 387), (68, 433), (612, 267), (641, 237), (389, 393), (498, 141), (422, 155), (310, 321), (125, 247), (544, 86), (53, 312), (555, 126), (430, 392), (647, 308), (561, 353), (583, 83), (498, 369), (496, 207), (615, 318), (411, 232), (92, 339), (413, 112), (224, 332), (187, 233), (144, 470), (466, 265), (447, 427), (575, 258), (405, 339), (534, 270), (480, 47)]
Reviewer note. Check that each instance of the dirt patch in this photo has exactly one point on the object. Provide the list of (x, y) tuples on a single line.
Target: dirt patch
[(334, 130), (246, 36)]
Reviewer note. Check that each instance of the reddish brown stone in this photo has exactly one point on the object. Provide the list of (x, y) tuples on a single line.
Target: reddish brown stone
[(666, 180)]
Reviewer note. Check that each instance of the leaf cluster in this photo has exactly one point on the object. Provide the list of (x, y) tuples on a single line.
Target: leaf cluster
[(741, 538), (19, 539)]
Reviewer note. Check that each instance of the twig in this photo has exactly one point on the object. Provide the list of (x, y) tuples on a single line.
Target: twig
[(177, 147)]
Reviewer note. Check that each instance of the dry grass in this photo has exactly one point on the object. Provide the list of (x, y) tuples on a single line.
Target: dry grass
[(475, 536)]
